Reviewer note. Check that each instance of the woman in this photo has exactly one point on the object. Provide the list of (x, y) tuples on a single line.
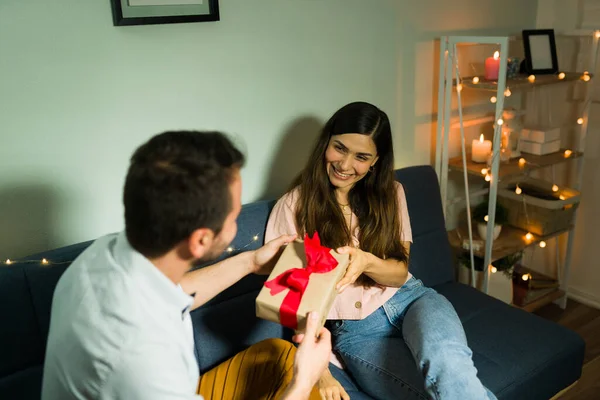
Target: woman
[(383, 320)]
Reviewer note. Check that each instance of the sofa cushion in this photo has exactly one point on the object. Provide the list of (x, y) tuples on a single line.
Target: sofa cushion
[(22, 385), (20, 336), (430, 254), (518, 355)]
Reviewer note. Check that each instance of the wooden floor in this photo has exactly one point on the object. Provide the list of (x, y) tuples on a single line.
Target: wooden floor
[(585, 321)]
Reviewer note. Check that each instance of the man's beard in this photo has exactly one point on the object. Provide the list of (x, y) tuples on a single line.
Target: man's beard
[(214, 252)]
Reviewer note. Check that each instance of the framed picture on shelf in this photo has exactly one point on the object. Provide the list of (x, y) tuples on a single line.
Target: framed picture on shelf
[(540, 51), (146, 12)]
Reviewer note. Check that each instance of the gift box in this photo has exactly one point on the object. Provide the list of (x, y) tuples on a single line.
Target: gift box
[(303, 280), (539, 149), (540, 134)]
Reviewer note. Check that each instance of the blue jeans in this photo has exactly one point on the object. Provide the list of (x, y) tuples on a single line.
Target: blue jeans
[(417, 325)]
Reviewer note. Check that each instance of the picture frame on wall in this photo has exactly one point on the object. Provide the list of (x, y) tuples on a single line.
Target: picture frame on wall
[(146, 12), (540, 51)]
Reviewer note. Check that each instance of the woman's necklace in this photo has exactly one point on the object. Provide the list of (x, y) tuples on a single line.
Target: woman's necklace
[(345, 209)]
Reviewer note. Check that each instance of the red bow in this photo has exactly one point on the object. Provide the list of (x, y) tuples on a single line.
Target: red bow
[(319, 260)]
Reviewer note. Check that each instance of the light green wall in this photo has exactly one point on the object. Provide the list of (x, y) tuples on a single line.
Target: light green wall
[(78, 95)]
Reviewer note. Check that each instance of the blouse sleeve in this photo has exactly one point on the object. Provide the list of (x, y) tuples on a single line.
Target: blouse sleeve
[(405, 229), (282, 218)]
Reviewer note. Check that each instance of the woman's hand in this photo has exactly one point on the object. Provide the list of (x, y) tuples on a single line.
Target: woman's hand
[(264, 259), (330, 388), (360, 261)]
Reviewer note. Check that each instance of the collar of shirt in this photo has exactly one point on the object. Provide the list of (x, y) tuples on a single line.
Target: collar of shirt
[(149, 277)]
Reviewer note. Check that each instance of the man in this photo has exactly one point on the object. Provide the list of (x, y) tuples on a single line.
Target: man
[(120, 323)]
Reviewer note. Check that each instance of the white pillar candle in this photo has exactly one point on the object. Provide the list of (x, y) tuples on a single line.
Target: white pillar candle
[(480, 150)]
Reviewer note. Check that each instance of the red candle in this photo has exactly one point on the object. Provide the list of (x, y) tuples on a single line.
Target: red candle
[(492, 66)]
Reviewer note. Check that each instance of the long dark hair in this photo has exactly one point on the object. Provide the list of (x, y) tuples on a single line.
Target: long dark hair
[(373, 199)]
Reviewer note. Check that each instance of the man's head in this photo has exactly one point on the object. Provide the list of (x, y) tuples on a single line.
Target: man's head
[(183, 187)]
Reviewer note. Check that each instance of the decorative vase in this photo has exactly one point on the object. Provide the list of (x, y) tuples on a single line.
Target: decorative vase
[(482, 230)]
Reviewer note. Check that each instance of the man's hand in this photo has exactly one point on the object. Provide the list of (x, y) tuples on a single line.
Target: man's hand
[(264, 259), (312, 358), (330, 388)]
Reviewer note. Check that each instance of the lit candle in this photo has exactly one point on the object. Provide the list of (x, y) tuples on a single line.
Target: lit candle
[(492, 66), (480, 149)]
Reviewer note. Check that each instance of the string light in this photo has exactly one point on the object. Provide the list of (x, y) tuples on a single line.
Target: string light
[(494, 269), (500, 121), (475, 79), (555, 188), (562, 197), (459, 87), (507, 92), (486, 218), (580, 121), (586, 78), (542, 244), (45, 261), (518, 190), (522, 162), (531, 78), (586, 72), (488, 178), (484, 171), (561, 76), (493, 99), (597, 34), (568, 153), (525, 277), (529, 236)]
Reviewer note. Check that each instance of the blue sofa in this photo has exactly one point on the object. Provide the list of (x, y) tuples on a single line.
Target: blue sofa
[(518, 355)]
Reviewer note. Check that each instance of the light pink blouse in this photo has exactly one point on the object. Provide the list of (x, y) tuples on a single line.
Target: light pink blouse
[(355, 302)]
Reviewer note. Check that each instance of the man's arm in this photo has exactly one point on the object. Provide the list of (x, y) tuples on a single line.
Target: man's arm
[(209, 281)]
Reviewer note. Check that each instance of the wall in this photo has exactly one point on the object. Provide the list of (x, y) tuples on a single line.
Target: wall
[(78, 95), (567, 16)]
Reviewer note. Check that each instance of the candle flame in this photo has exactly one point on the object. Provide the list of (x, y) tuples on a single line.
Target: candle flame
[(481, 138), (496, 55)]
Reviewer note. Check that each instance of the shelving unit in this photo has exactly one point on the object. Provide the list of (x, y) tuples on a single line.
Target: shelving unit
[(511, 240)]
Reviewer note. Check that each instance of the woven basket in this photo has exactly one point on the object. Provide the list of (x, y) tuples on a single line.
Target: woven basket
[(538, 209)]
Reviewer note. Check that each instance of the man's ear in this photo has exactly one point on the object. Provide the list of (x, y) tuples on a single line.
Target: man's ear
[(200, 241)]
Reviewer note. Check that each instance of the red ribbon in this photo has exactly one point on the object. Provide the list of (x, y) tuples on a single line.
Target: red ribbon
[(319, 260)]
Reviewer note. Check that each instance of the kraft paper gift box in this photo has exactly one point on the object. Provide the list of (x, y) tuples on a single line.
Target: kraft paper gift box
[(303, 280)]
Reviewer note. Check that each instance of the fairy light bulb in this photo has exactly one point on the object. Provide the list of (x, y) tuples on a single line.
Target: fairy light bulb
[(561, 76), (531, 78), (486, 218), (542, 244), (586, 78), (488, 178), (459, 87), (568, 153), (44, 261), (484, 171), (493, 99), (580, 121), (562, 197), (597, 34), (230, 249), (529, 236), (500, 121), (507, 92), (494, 269), (518, 190), (555, 188), (255, 238), (475, 79), (8, 261), (522, 162), (525, 277)]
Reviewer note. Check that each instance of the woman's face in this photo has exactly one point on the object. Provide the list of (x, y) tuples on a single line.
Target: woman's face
[(348, 158)]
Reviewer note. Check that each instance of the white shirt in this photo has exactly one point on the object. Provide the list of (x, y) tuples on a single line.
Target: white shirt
[(120, 329)]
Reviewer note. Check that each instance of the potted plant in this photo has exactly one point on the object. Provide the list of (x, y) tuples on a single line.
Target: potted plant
[(480, 216), (500, 280)]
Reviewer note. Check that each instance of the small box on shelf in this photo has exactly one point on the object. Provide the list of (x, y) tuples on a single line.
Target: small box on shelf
[(539, 149), (540, 134)]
